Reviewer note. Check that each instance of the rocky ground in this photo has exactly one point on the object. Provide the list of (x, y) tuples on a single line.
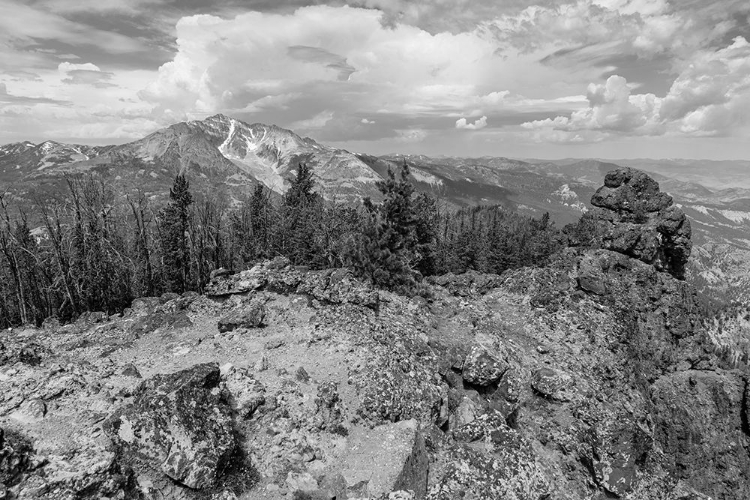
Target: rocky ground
[(591, 378)]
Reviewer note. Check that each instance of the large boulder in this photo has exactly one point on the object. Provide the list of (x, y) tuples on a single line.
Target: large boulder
[(388, 458), (634, 218), (178, 426), (482, 367), (251, 315), (15, 459)]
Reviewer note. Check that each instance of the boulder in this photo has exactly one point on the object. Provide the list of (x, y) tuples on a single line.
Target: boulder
[(481, 367), (388, 458), (246, 394), (178, 426), (553, 384), (249, 316), (333, 286), (490, 461), (465, 413), (15, 458), (630, 190)]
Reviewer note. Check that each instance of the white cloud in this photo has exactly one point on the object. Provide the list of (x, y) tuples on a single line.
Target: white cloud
[(710, 97), (477, 125), (318, 121), (336, 59)]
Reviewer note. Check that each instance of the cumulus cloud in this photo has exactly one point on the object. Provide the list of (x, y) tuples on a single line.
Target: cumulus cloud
[(477, 125), (342, 60), (709, 97)]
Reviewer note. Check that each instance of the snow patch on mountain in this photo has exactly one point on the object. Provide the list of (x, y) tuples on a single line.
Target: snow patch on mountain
[(700, 208), (735, 216), (569, 198), (422, 176)]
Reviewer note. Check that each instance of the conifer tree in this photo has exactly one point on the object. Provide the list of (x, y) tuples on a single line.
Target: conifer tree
[(175, 222), (387, 249), (301, 215)]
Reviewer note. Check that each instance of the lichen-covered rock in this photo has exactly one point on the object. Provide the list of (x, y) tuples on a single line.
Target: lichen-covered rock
[(91, 471), (467, 284), (616, 444), (251, 315), (630, 190), (490, 462), (482, 367), (553, 384), (332, 286), (636, 219), (155, 320), (388, 458), (698, 424), (28, 353), (15, 459), (245, 393), (328, 407), (178, 425)]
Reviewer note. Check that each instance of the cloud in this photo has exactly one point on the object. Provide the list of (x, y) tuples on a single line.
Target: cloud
[(477, 125), (7, 98), (316, 122), (85, 74), (344, 61), (609, 27), (709, 97), (22, 25)]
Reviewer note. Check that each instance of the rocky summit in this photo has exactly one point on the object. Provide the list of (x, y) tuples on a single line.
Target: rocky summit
[(591, 378), (633, 217)]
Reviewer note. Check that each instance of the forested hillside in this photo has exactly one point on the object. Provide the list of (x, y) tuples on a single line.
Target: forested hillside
[(95, 249)]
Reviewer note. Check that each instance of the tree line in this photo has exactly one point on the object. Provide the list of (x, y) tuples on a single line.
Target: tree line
[(95, 251)]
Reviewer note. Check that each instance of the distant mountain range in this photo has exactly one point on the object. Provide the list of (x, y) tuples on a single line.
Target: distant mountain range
[(227, 157)]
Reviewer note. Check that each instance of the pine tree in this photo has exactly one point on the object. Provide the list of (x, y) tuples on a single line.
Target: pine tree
[(301, 217), (387, 251), (175, 222), (301, 188)]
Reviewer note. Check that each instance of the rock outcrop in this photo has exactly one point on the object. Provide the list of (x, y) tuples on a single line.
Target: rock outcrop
[(332, 286), (634, 218)]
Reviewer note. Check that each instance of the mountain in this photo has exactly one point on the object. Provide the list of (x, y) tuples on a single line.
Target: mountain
[(220, 154)]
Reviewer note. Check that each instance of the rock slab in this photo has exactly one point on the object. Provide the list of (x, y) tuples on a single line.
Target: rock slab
[(388, 458), (178, 425)]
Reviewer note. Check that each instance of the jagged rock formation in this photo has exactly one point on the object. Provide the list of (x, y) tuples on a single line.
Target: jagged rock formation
[(591, 378), (636, 219)]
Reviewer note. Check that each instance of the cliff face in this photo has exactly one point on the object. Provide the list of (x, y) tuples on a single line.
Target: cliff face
[(591, 378)]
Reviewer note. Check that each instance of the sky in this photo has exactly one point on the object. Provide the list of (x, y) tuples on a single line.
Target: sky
[(546, 79)]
